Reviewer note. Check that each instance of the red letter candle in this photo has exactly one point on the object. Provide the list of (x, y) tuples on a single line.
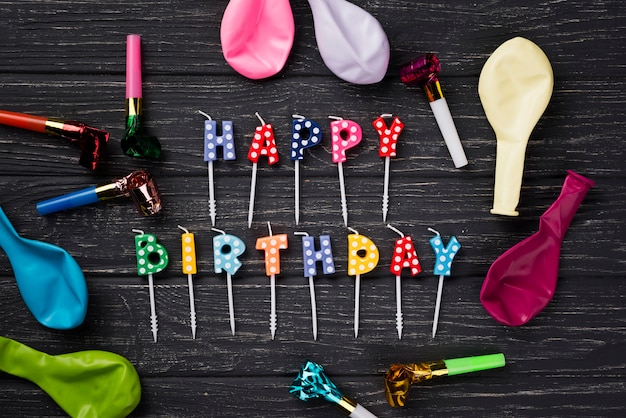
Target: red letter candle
[(388, 136), (263, 144)]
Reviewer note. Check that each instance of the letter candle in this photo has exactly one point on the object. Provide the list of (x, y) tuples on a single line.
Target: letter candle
[(401, 376), (263, 143), (271, 246), (345, 134), (310, 257), (226, 250), (189, 268), (311, 383), (404, 256), (443, 264), (91, 141), (305, 134), (139, 185), (362, 258), (424, 71), (387, 149), (136, 142), (152, 257), (213, 141)]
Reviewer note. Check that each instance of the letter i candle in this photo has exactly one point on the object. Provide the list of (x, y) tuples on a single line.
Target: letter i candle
[(213, 141), (345, 134), (404, 256), (272, 245), (189, 268), (443, 265), (263, 144), (362, 258), (310, 257), (305, 134), (388, 148), (226, 250), (152, 258), (424, 71)]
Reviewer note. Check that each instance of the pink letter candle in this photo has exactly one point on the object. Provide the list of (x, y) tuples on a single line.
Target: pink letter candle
[(263, 144), (305, 134), (272, 245), (226, 250), (388, 136), (345, 134), (362, 258)]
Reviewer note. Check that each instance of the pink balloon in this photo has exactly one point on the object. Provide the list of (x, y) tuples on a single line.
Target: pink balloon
[(257, 36)]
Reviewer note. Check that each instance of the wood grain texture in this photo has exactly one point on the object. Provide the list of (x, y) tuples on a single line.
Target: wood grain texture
[(67, 59)]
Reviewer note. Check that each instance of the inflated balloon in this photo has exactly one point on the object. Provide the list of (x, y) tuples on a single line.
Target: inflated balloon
[(515, 86), (257, 36), (522, 281), (351, 41), (51, 282), (85, 384)]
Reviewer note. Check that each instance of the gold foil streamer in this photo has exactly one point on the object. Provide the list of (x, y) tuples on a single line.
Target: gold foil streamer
[(401, 376), (433, 91), (134, 106)]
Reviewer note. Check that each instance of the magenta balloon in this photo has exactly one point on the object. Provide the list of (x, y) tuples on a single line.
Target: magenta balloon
[(257, 36), (522, 281)]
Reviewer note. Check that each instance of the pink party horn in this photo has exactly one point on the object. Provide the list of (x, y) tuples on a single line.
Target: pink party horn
[(522, 281)]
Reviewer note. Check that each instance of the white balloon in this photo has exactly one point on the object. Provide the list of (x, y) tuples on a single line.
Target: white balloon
[(351, 41)]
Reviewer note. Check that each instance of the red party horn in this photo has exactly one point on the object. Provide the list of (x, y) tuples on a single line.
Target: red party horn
[(91, 141), (522, 281)]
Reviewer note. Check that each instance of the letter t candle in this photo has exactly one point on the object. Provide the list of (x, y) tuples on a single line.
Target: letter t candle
[(423, 71)]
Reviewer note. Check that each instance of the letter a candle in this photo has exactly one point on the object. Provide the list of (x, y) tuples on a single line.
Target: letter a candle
[(226, 250), (152, 258), (388, 145), (362, 258), (271, 246), (345, 134), (263, 144), (213, 141), (404, 256), (304, 134), (310, 257), (443, 264)]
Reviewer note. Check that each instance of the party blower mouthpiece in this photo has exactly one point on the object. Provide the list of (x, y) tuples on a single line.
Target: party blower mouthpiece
[(136, 142), (423, 71), (91, 141), (139, 185), (401, 376)]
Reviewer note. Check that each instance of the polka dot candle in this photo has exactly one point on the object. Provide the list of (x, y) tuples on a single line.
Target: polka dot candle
[(311, 256), (152, 257), (345, 134), (444, 255), (263, 144), (362, 255), (405, 256), (305, 134), (226, 251), (271, 246), (213, 141), (388, 136), (189, 253)]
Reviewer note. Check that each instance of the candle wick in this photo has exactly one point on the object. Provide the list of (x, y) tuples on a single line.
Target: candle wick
[(353, 230), (183, 229), (218, 230), (269, 227), (386, 115), (206, 115), (335, 117), (434, 231), (300, 117), (260, 118), (395, 230), (301, 233), (138, 231)]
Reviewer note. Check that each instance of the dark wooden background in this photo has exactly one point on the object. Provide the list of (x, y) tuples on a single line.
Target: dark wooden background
[(67, 59)]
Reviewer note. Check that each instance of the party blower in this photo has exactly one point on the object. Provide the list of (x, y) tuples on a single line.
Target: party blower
[(311, 383), (423, 71), (515, 86), (91, 141), (139, 185), (400, 377)]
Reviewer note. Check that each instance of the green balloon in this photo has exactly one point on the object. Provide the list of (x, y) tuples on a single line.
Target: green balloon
[(85, 384)]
